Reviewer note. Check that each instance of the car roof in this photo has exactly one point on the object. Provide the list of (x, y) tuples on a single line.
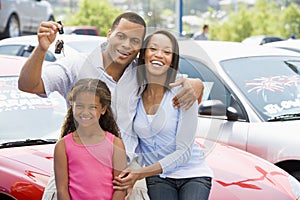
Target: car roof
[(285, 43), (223, 50)]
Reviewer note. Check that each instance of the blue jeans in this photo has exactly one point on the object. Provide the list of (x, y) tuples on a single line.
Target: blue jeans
[(178, 189)]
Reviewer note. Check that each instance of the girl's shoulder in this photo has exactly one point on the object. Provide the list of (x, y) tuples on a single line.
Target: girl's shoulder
[(60, 144)]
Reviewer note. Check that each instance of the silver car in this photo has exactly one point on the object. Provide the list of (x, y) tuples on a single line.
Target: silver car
[(251, 98), (23, 16)]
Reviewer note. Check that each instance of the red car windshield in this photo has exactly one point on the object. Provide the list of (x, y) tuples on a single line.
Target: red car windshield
[(28, 116)]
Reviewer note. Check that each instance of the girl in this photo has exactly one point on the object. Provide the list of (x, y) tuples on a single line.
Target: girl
[(175, 165), (89, 153)]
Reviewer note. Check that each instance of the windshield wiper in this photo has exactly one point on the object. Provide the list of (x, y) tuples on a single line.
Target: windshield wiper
[(285, 117), (27, 142), (294, 67)]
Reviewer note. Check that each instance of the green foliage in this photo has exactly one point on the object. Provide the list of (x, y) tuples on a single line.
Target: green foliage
[(95, 13), (290, 19), (264, 18), (236, 28)]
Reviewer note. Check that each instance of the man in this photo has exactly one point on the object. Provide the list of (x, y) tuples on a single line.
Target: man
[(114, 64), (203, 35)]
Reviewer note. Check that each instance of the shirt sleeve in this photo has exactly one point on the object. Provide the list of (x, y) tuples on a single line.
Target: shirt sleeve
[(60, 76), (55, 78), (185, 136)]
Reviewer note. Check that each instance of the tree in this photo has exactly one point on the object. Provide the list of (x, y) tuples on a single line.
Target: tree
[(235, 28), (265, 18), (290, 19), (96, 13)]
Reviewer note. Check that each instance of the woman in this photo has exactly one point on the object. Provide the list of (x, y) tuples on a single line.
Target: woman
[(174, 165)]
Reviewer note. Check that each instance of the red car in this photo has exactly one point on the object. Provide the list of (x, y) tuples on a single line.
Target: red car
[(81, 30), (30, 126)]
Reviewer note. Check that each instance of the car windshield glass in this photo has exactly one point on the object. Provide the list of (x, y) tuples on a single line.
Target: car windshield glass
[(28, 116), (271, 84)]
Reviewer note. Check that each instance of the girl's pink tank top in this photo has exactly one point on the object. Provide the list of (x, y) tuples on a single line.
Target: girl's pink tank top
[(90, 168)]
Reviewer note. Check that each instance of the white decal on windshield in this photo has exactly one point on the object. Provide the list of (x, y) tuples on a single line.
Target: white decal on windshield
[(10, 100), (283, 105)]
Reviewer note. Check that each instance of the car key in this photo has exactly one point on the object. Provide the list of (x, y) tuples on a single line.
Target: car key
[(59, 46), (60, 30)]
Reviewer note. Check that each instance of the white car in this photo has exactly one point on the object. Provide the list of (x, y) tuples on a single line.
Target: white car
[(23, 16), (251, 99), (24, 45), (261, 39), (290, 44)]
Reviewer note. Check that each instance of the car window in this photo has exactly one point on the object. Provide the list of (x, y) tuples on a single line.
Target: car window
[(79, 32), (28, 115), (270, 39), (13, 50), (23, 50), (214, 89), (48, 57), (271, 84), (91, 32)]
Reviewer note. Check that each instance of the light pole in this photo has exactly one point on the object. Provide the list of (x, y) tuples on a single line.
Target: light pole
[(179, 6)]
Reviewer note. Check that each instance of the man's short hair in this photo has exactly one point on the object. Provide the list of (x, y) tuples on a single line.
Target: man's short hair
[(132, 17)]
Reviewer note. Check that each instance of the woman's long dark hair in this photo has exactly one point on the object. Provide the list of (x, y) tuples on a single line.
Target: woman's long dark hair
[(141, 70), (100, 89)]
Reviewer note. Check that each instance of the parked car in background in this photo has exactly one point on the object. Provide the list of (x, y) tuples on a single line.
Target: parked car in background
[(251, 98), (24, 45), (261, 39), (25, 16), (291, 44), (30, 126), (81, 30)]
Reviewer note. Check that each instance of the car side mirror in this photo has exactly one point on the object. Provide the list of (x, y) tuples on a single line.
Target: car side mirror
[(232, 114), (217, 108)]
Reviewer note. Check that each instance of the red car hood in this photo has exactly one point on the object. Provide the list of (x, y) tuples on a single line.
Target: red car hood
[(237, 174), (25, 170), (240, 175)]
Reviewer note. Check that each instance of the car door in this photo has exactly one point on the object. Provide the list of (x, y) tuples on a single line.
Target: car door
[(40, 13), (25, 13), (215, 124)]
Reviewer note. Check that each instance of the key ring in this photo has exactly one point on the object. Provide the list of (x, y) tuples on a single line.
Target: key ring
[(59, 46)]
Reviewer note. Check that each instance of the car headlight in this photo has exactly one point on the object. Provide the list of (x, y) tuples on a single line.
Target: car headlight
[(295, 185)]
